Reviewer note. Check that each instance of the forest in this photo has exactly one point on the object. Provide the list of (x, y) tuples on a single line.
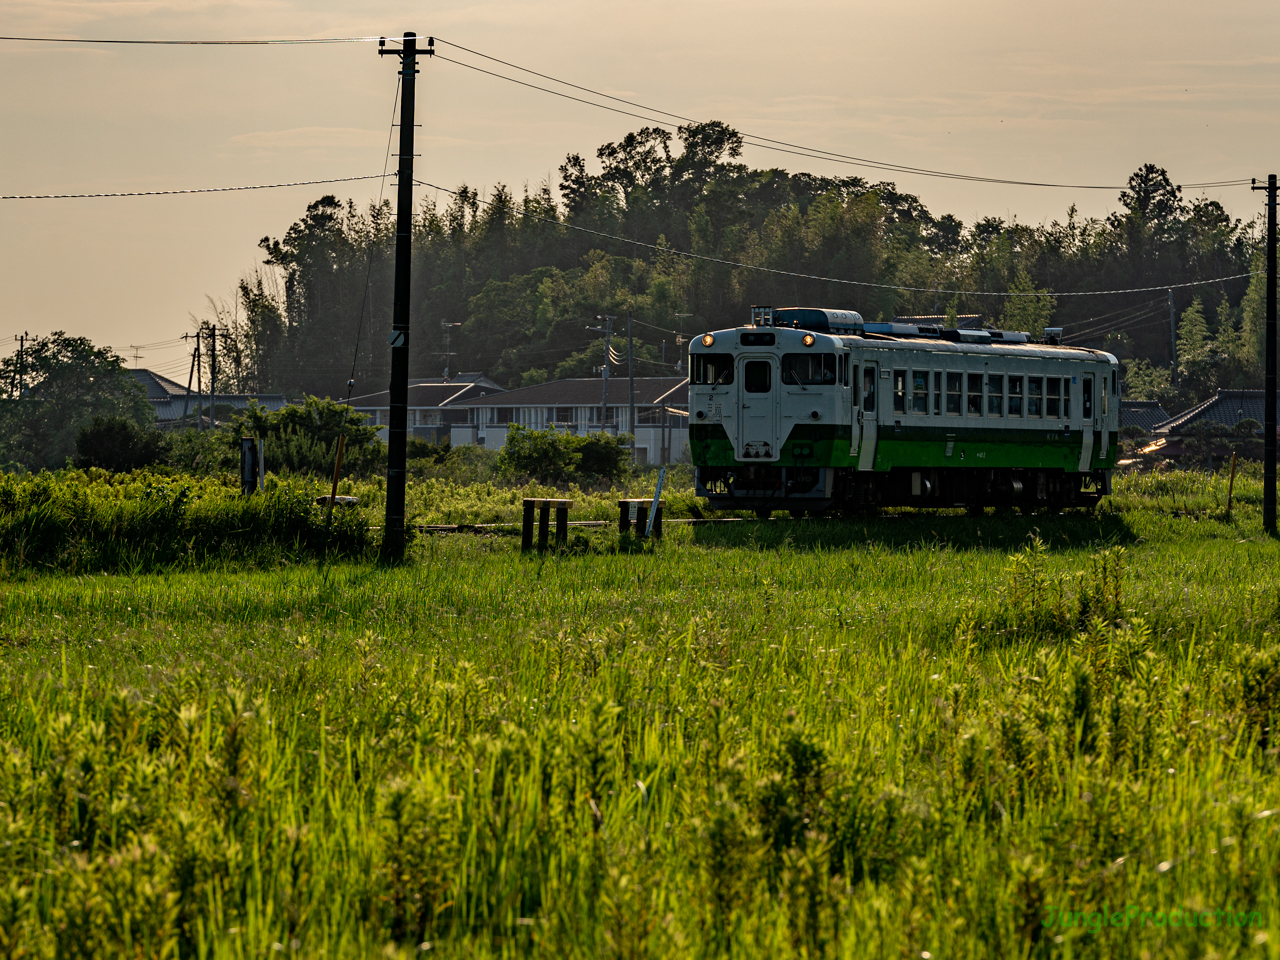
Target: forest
[(516, 279)]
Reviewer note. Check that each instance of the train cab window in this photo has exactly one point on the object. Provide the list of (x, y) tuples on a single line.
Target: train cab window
[(711, 368), (1066, 398), (757, 376), (856, 381), (809, 369), (842, 369), (899, 391), (995, 395), (869, 389), (975, 395), (1035, 396), (1053, 398), (920, 391), (1015, 396), (937, 393), (1086, 403), (955, 383)]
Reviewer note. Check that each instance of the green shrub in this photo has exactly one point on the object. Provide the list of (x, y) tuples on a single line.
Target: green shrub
[(549, 456), (118, 444)]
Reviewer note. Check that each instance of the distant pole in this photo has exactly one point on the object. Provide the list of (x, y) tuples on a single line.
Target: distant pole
[(186, 399), (1269, 393), (22, 372), (213, 374), (1173, 338), (607, 330), (199, 385), (631, 388), (398, 426)]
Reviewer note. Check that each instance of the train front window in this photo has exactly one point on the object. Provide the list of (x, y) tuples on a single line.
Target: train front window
[(995, 395), (757, 376), (920, 391), (1015, 396), (1066, 398), (975, 394), (955, 384), (711, 368), (809, 369)]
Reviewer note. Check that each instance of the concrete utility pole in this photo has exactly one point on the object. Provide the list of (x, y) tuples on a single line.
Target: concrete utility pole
[(398, 427), (607, 330), (22, 339), (448, 345), (191, 372), (1173, 338), (213, 374), (631, 388), (1269, 393)]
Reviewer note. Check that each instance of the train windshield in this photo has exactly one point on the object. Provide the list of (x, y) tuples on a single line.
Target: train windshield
[(816, 369), (711, 368)]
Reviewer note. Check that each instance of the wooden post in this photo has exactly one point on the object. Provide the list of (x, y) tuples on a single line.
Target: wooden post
[(642, 518), (544, 517), (1231, 484), (526, 534), (657, 523), (562, 522)]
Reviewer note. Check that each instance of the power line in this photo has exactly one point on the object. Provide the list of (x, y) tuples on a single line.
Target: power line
[(166, 193), (855, 283), (768, 143), (198, 43)]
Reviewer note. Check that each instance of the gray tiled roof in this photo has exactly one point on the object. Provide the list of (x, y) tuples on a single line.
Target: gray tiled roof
[(432, 393), (1142, 413), (1227, 409), (168, 397), (588, 392)]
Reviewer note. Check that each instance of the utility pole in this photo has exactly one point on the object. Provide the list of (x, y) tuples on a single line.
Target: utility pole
[(1269, 393), (448, 348), (607, 330), (681, 340), (22, 339), (1173, 338), (213, 374), (195, 361), (398, 427), (631, 388)]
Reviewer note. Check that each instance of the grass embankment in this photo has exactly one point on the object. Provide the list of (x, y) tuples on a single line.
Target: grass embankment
[(780, 739)]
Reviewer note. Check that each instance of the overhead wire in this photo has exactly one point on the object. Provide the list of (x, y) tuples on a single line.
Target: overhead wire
[(856, 283), (166, 193), (769, 143), (199, 43)]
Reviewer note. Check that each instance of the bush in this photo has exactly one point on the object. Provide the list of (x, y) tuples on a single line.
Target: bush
[(303, 438), (118, 444), (550, 456)]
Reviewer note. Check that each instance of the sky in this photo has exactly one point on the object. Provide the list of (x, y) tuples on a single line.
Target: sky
[(1079, 92)]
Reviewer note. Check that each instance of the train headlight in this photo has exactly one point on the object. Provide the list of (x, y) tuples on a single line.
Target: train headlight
[(708, 339), (809, 340)]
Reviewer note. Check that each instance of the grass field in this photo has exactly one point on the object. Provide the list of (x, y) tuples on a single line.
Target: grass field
[(910, 736)]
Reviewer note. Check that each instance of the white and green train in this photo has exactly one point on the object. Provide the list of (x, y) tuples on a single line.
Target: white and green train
[(808, 410)]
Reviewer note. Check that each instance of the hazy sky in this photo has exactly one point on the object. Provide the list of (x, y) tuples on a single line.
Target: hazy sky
[(1079, 92)]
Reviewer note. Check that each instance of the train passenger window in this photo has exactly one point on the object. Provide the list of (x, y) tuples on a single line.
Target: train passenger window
[(899, 391), (995, 395), (869, 389), (757, 376), (954, 386), (1015, 396), (842, 366), (1035, 394), (1086, 403), (1052, 400), (920, 391), (712, 368), (1066, 398), (937, 393), (975, 394), (855, 385), (813, 369)]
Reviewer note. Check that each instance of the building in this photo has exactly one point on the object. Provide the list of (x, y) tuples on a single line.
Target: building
[(662, 414), (433, 405), (1220, 414), (173, 403), (1142, 413)]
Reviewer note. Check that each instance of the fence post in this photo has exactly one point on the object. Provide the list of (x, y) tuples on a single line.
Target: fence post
[(526, 534)]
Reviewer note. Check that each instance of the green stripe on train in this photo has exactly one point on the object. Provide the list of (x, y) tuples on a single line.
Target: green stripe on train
[(828, 446)]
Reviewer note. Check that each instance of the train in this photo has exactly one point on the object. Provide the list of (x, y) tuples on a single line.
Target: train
[(810, 410)]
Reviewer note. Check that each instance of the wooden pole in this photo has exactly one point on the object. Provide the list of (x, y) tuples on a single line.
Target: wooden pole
[(1231, 484), (337, 468)]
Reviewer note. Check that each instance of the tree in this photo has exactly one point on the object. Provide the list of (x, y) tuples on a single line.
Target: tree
[(68, 381), (1030, 312), (304, 438), (118, 444)]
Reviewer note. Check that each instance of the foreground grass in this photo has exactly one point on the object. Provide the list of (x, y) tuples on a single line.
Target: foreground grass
[(779, 739)]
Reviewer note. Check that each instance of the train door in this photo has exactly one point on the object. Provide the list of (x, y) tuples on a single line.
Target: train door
[(866, 429), (757, 423), (1088, 420)]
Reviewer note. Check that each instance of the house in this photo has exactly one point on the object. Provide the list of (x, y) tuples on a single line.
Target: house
[(1220, 414), (1142, 413), (174, 404), (433, 404), (662, 413)]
